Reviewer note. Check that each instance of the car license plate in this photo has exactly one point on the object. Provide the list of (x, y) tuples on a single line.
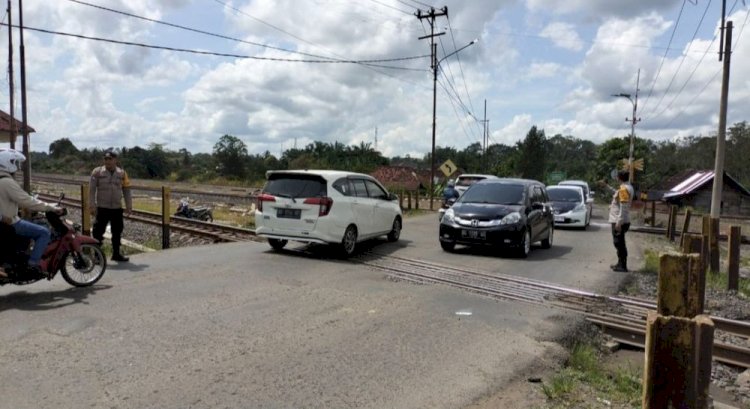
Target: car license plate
[(288, 213), (559, 219), (474, 234)]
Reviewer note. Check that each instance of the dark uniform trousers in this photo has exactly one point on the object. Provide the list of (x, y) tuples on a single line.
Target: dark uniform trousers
[(114, 218), (619, 241)]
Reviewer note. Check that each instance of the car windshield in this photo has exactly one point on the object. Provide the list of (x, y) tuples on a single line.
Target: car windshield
[(563, 195), (494, 193), (285, 185), (468, 180)]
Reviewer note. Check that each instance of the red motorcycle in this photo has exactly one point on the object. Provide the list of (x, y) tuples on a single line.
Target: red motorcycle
[(78, 258)]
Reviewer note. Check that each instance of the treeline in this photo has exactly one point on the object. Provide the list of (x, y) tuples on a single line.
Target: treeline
[(536, 156)]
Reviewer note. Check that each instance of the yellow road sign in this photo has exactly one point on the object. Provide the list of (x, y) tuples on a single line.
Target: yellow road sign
[(448, 167)]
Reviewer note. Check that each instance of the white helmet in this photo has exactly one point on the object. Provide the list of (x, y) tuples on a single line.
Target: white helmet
[(10, 160)]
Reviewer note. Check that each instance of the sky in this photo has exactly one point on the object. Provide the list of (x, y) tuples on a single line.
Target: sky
[(279, 74)]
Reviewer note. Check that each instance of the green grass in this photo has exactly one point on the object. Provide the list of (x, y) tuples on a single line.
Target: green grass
[(720, 282), (584, 380), (415, 212), (650, 261)]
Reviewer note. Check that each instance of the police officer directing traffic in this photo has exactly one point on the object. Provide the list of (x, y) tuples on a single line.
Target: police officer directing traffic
[(109, 184)]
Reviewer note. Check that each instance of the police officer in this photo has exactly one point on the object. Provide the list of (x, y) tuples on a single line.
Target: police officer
[(619, 217), (109, 184)]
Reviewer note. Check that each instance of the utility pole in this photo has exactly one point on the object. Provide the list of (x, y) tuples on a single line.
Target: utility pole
[(721, 136), (12, 127), (25, 127), (485, 137), (376, 138), (430, 16), (633, 121)]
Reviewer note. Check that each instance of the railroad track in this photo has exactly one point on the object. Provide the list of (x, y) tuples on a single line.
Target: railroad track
[(244, 195), (623, 318), (213, 231)]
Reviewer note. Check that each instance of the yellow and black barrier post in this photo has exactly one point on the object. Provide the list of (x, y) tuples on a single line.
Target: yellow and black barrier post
[(85, 211)]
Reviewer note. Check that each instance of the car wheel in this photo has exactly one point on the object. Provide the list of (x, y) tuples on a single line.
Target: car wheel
[(525, 248), (448, 245), (395, 231), (547, 243), (349, 242), (277, 244)]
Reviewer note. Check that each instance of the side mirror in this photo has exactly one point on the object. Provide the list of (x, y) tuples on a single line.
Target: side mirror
[(537, 206), (392, 196), (589, 201)]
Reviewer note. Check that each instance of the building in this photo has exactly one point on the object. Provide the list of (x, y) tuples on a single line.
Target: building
[(694, 188), (10, 128), (397, 178)]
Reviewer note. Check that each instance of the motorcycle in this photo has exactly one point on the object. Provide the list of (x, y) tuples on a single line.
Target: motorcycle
[(78, 258), (445, 206), (201, 213)]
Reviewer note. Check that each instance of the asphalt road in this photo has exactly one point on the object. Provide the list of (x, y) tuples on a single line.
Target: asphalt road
[(239, 326)]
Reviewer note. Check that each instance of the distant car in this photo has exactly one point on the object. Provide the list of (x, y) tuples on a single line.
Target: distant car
[(327, 207), (464, 181), (499, 212), (569, 206), (586, 192)]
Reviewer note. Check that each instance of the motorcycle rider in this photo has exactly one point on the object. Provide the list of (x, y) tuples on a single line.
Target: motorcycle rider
[(450, 191), (12, 196)]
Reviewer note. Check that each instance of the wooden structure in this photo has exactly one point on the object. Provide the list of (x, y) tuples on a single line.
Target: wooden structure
[(397, 178), (11, 128), (694, 189)]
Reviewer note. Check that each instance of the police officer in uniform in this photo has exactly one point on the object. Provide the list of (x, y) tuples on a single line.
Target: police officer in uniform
[(109, 184)]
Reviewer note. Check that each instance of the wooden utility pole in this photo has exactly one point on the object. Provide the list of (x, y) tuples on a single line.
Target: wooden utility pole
[(13, 129), (24, 125)]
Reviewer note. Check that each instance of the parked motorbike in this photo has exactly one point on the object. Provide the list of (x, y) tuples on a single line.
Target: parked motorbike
[(445, 206), (201, 213), (78, 258)]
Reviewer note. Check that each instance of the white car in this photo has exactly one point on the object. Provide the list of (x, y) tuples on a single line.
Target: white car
[(326, 207), (569, 206), (587, 193), (464, 181)]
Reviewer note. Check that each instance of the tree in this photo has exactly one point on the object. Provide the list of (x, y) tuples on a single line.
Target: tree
[(230, 153), (62, 148), (532, 159)]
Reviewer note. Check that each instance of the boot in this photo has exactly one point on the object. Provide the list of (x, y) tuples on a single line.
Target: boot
[(117, 256), (621, 266)]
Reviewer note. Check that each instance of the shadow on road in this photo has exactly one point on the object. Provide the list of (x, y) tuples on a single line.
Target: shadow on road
[(129, 266), (48, 300), (334, 253)]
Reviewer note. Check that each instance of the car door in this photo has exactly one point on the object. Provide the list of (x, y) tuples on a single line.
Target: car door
[(362, 207), (536, 214), (383, 208)]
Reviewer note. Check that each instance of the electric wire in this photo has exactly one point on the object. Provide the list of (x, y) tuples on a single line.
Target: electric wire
[(455, 111), (664, 57), (461, 69), (682, 60), (371, 63), (390, 7), (124, 13)]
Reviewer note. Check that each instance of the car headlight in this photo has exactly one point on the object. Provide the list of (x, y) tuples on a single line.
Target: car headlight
[(511, 218), (449, 215)]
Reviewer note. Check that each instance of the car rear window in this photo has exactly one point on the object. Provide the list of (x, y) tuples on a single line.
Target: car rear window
[(290, 185), (496, 193), (564, 195), (468, 180)]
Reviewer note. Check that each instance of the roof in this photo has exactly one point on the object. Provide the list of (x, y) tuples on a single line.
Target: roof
[(10, 126), (511, 181), (401, 177), (477, 175), (694, 180)]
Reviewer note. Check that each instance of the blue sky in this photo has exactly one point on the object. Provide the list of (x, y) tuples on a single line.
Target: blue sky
[(537, 62)]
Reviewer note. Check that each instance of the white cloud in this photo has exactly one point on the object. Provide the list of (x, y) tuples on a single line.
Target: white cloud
[(563, 35)]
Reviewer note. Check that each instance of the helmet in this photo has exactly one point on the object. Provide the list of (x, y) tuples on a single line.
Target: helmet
[(451, 183), (10, 160)]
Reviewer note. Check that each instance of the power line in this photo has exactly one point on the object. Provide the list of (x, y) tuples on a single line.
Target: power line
[(664, 57), (373, 63), (195, 30), (390, 7), (684, 55)]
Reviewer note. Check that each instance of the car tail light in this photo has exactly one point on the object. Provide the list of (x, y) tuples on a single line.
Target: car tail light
[(264, 198), (325, 204)]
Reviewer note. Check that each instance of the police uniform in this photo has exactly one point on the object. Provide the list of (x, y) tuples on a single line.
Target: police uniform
[(107, 190), (619, 215)]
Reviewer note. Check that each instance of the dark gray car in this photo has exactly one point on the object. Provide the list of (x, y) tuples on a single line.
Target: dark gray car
[(510, 213)]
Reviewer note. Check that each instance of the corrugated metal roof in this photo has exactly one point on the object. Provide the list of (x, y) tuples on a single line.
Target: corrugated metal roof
[(695, 179)]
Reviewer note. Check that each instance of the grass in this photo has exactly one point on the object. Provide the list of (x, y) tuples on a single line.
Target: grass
[(720, 282), (585, 380), (650, 261), (221, 215)]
